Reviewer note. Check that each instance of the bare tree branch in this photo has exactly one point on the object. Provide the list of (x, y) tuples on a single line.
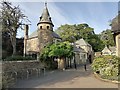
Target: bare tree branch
[(11, 17)]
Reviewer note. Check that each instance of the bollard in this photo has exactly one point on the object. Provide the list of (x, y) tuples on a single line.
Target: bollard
[(27, 74), (22, 73), (37, 72), (15, 75), (44, 71)]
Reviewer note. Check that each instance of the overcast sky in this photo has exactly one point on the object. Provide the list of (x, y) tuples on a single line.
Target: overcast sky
[(95, 14)]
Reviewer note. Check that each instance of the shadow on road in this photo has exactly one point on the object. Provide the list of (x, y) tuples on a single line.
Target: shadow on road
[(53, 77)]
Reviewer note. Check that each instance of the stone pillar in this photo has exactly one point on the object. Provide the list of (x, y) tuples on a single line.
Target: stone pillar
[(26, 27), (38, 55), (118, 45), (61, 64)]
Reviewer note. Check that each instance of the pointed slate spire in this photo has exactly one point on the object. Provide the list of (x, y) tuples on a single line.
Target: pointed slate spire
[(45, 17)]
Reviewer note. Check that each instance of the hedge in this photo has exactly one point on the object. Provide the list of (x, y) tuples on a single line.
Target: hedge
[(107, 66), (16, 58)]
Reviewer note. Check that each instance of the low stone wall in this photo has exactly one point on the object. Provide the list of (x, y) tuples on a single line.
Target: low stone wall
[(22, 69), (18, 65)]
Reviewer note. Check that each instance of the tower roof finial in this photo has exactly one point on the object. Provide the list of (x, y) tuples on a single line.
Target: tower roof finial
[(46, 3), (45, 17)]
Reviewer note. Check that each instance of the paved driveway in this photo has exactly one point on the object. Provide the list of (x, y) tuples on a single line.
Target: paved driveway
[(70, 78)]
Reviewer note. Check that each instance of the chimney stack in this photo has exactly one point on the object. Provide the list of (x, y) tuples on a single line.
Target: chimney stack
[(26, 28)]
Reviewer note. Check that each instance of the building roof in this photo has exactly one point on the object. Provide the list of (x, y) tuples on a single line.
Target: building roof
[(116, 24), (82, 42), (45, 17), (111, 49), (105, 49), (78, 49), (35, 34), (55, 35)]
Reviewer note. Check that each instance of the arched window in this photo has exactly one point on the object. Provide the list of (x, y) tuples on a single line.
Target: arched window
[(47, 27), (40, 27)]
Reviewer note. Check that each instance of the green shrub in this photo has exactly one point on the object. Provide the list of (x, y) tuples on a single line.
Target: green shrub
[(16, 58), (106, 66)]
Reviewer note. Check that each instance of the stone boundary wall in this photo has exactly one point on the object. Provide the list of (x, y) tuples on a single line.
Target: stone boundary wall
[(22, 69), (18, 65)]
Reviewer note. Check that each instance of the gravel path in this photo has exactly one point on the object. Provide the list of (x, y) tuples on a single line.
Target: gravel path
[(70, 78)]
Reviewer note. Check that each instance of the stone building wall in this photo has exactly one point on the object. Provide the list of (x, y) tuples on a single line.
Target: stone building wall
[(118, 45), (32, 45), (44, 26), (45, 38), (87, 48)]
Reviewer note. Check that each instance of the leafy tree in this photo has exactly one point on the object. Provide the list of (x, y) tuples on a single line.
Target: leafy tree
[(59, 50), (107, 37), (86, 32), (11, 20), (75, 32), (96, 43), (67, 32), (83, 31)]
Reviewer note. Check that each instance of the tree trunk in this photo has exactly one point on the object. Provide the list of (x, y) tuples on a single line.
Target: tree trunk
[(13, 41), (14, 48)]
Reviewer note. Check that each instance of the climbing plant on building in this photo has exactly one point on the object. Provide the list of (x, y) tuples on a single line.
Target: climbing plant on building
[(60, 51)]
